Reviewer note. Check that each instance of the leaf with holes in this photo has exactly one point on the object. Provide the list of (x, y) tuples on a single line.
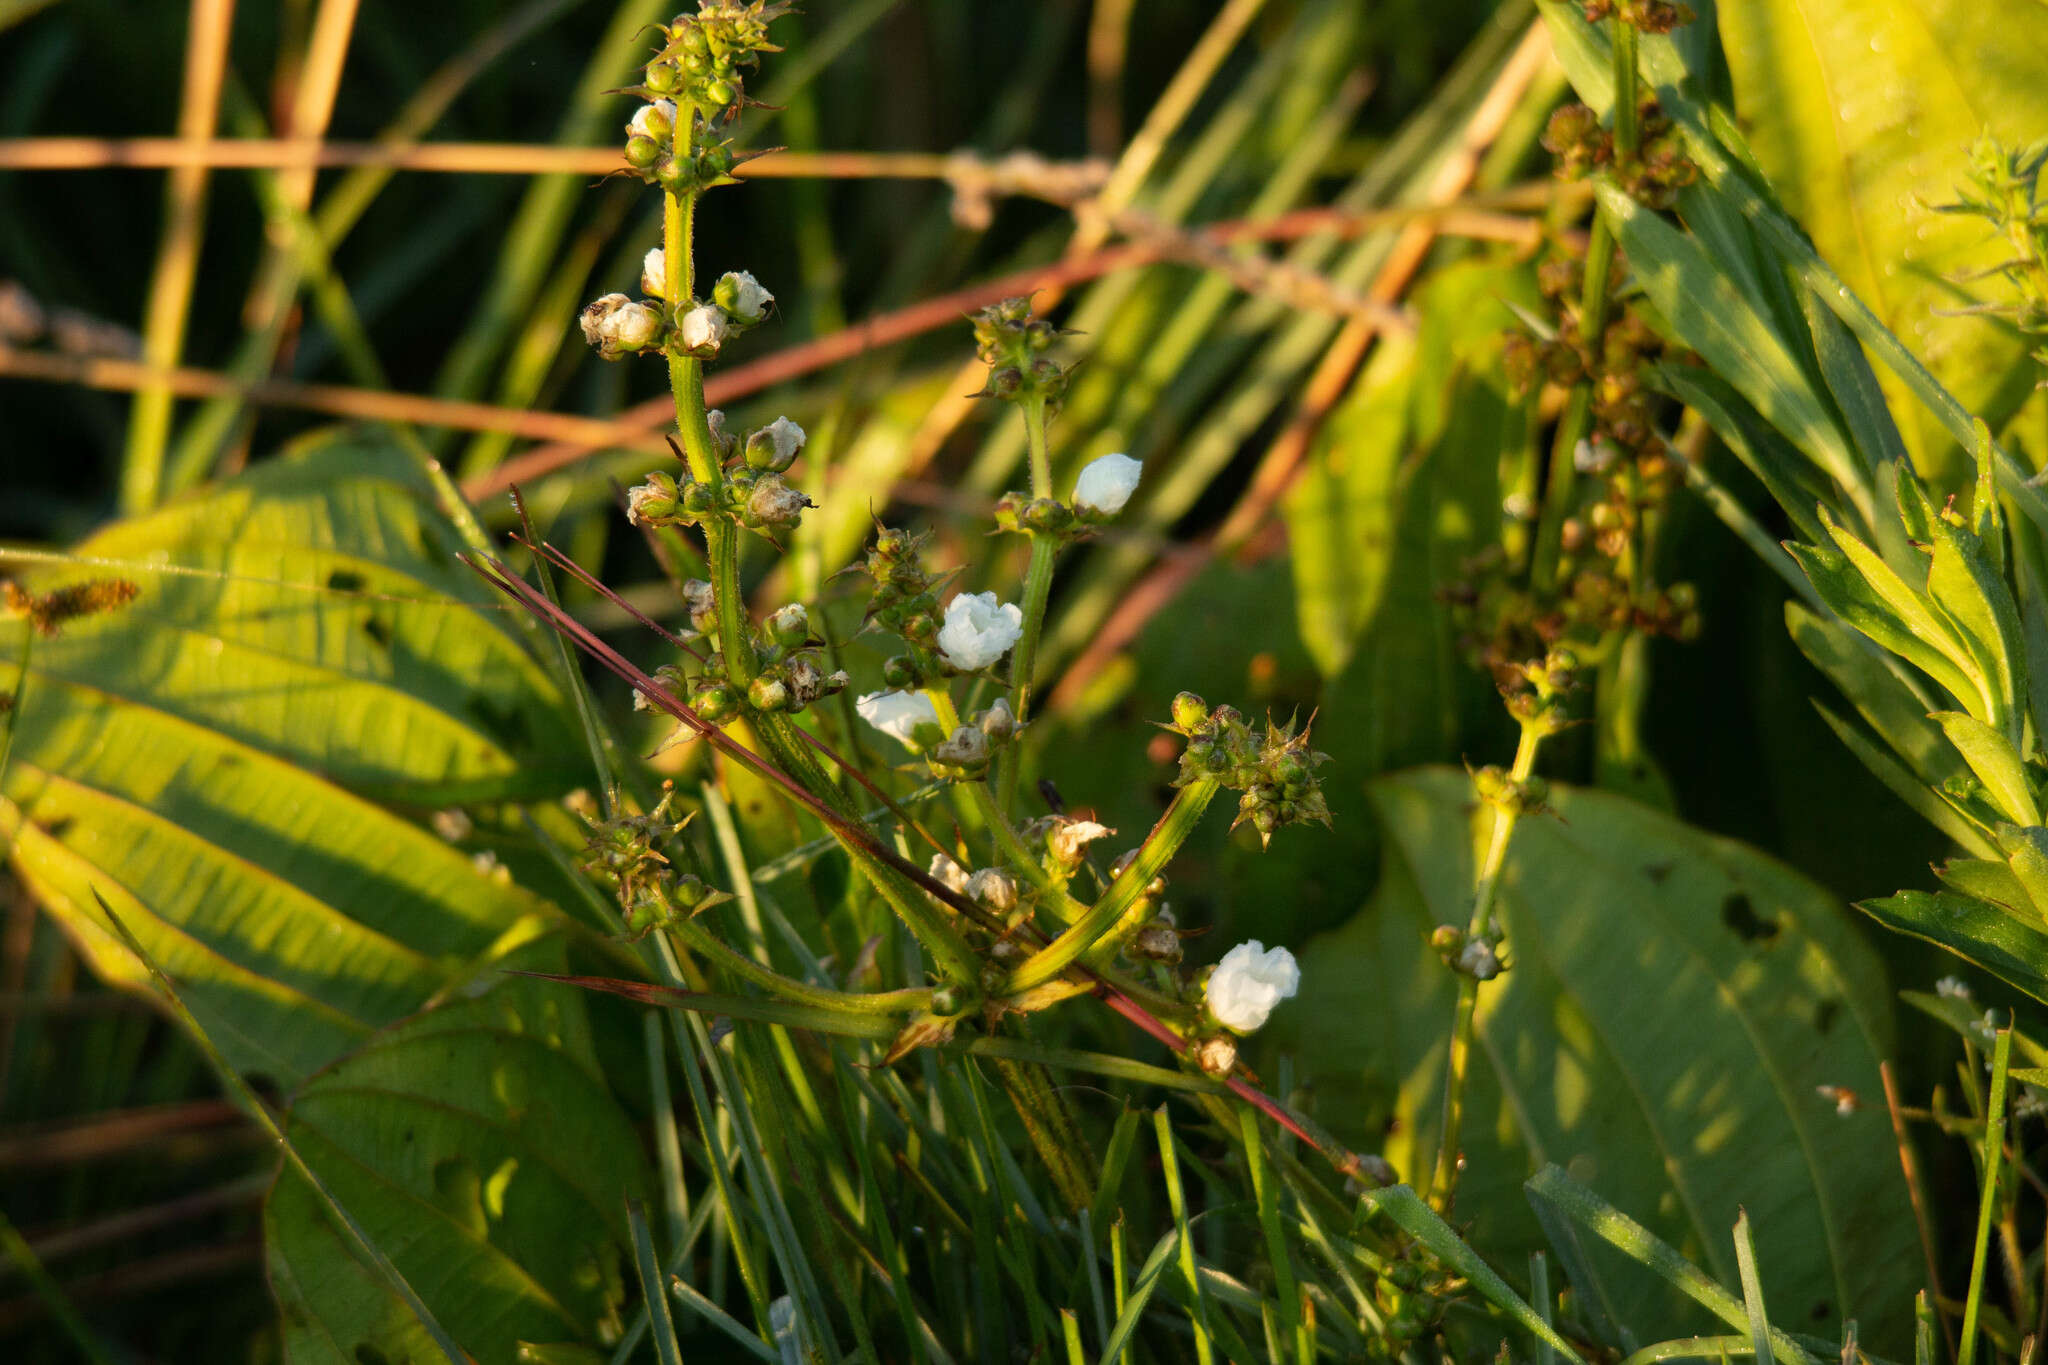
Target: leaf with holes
[(314, 609), (1672, 1003), (157, 749), (478, 1146)]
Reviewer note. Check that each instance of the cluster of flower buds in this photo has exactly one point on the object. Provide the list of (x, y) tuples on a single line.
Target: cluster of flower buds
[(1476, 956), (625, 854), (705, 56), (1537, 694), (1013, 344), (1104, 486), (1654, 175), (1275, 773), (971, 635), (909, 718), (753, 492), (1649, 16)]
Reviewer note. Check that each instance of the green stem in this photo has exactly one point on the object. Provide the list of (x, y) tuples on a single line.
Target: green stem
[(1627, 132), (706, 944), (1485, 886), (1578, 414), (1157, 851), (1037, 588), (779, 736)]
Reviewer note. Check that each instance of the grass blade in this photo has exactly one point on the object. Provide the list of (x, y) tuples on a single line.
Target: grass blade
[(1752, 1287), (1419, 1221), (1994, 1153), (1176, 1199), (661, 1323)]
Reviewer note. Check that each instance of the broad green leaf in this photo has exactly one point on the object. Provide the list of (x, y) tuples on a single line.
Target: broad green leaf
[(1989, 935), (479, 1149), (313, 609), (1672, 1002), (1932, 806), (1985, 880), (1972, 597), (1921, 640), (1861, 114), (1879, 695), (1997, 764), (1705, 310)]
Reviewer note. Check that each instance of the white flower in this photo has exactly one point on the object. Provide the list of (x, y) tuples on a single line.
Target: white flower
[(1249, 981), (703, 328), (743, 296), (978, 630), (646, 124), (897, 714), (615, 325), (1070, 837), (654, 273), (1952, 988), (1107, 484), (788, 437), (1591, 456), (948, 873)]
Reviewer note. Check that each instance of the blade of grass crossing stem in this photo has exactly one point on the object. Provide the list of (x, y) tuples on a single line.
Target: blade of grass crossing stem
[(1116, 1349), (253, 1103), (660, 1323), (722, 1320), (783, 1241), (668, 1145), (1162, 1123), (1550, 1188), (1994, 1154), (736, 1233), (1419, 1221), (572, 675), (52, 1294), (1539, 1291), (1122, 1138), (1119, 1279), (629, 1344), (1752, 1287), (1265, 1189)]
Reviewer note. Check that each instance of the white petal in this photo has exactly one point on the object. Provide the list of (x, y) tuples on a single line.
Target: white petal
[(1107, 484)]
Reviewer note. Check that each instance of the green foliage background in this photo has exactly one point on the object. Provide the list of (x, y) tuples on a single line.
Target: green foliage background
[(246, 765)]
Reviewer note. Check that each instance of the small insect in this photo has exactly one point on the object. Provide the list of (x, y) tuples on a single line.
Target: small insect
[(1846, 1100)]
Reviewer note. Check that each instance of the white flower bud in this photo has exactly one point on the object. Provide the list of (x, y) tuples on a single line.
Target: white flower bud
[(993, 889), (615, 325), (1069, 837), (978, 630), (703, 329), (1952, 988), (1592, 455), (897, 714), (654, 274), (774, 503), (1217, 1054), (1107, 484), (1479, 961), (966, 747), (788, 439), (740, 294), (999, 722), (946, 872), (1249, 982), (656, 120)]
